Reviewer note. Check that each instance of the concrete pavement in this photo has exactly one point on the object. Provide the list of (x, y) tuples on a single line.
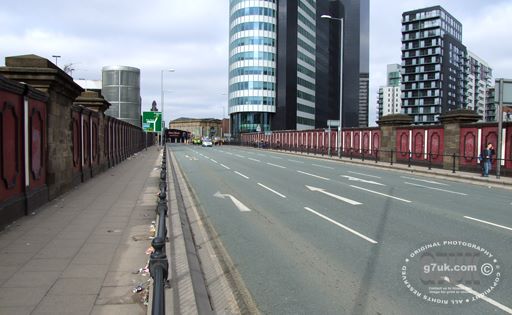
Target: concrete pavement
[(78, 253)]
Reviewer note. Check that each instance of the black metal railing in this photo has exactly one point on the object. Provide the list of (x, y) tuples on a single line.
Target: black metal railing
[(158, 263)]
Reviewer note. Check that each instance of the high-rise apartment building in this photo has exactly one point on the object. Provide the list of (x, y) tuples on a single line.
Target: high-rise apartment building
[(389, 101), (433, 64), (285, 60), (478, 82)]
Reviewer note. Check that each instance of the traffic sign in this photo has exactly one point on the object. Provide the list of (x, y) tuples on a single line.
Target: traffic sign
[(333, 123), (152, 121)]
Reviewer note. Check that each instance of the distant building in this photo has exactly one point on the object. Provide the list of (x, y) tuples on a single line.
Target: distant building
[(433, 64), (121, 87), (197, 127), (478, 82), (90, 85), (389, 101)]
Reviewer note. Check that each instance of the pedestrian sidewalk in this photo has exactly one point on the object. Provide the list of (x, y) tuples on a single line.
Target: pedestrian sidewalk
[(460, 176), (79, 253)]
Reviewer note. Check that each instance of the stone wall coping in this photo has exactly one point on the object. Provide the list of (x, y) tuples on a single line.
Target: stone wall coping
[(459, 116), (395, 120)]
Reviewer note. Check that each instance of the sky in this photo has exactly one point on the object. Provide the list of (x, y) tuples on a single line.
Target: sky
[(192, 37)]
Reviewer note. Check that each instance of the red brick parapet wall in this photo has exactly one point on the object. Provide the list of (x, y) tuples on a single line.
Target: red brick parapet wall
[(53, 135)]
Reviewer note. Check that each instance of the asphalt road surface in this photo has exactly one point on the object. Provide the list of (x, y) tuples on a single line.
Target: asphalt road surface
[(311, 236)]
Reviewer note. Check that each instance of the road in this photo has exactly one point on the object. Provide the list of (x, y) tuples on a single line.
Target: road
[(311, 236)]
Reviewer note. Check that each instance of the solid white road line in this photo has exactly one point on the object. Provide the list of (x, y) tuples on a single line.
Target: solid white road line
[(321, 190), (363, 174), (482, 296), (341, 225), (275, 165), (322, 166), (241, 175), (313, 175), (255, 160), (225, 166), (487, 222), (434, 188), (296, 161), (270, 189), (425, 181), (214, 161), (379, 193)]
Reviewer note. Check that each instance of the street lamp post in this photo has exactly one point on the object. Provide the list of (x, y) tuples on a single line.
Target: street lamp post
[(162, 101), (340, 125), (56, 57)]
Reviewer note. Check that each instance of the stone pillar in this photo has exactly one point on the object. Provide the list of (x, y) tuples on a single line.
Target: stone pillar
[(388, 125), (43, 75), (451, 123), (95, 102)]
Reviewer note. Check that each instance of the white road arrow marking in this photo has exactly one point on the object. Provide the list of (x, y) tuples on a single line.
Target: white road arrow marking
[(321, 190), (238, 203), (351, 178)]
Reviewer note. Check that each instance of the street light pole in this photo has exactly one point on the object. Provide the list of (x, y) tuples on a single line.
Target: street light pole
[(340, 125), (56, 57), (162, 101)]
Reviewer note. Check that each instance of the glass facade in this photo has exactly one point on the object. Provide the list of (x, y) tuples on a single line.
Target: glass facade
[(121, 87), (252, 64)]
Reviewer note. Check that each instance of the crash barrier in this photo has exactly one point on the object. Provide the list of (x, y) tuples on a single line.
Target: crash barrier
[(158, 263)]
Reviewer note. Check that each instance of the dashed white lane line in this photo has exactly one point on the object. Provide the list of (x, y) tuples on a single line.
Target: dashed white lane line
[(379, 193), (246, 177), (313, 175), (425, 181), (482, 297), (362, 174), (270, 189), (323, 166), (487, 222), (255, 160), (341, 225), (295, 161), (240, 156), (439, 189), (214, 161), (275, 165), (225, 166), (276, 157)]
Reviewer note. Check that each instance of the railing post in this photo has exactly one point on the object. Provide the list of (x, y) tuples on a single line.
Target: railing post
[(409, 156), (453, 163), (158, 269), (362, 155), (391, 155), (351, 150), (430, 161), (376, 156)]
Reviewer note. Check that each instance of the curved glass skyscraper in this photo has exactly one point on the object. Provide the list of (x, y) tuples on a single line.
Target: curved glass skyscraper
[(252, 64)]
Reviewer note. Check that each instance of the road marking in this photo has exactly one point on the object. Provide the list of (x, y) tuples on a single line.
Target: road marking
[(275, 192), (321, 190), (424, 180), (434, 188), (240, 156), (313, 175), (225, 166), (379, 193), (482, 296), (276, 157), (363, 174), (487, 222), (322, 166), (296, 161), (342, 226), (255, 160), (350, 178), (242, 175), (229, 153), (214, 161), (276, 165), (238, 203)]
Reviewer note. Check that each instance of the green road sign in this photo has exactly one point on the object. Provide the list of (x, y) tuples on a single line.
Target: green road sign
[(152, 121)]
